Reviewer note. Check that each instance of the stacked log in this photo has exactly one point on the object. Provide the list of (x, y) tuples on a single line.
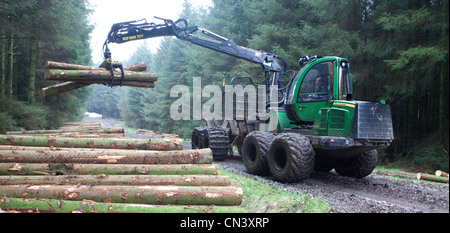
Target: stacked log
[(61, 174), (77, 76)]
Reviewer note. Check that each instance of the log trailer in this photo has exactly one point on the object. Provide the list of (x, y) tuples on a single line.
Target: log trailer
[(319, 126)]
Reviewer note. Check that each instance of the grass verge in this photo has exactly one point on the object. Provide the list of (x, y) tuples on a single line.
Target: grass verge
[(260, 197)]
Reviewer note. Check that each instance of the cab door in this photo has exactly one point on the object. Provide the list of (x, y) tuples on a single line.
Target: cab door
[(315, 90)]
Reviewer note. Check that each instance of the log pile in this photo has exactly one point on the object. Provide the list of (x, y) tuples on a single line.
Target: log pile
[(76, 76), (439, 176), (46, 171)]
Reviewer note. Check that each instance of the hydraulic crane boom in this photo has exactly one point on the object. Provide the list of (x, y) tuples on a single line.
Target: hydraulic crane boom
[(141, 29)]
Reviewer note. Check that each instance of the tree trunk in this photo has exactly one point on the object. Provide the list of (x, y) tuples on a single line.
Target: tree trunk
[(70, 85), (138, 67), (3, 67), (202, 156), (98, 75), (421, 176), (441, 173), (56, 206), (112, 143), (8, 169), (158, 195), (32, 72), (131, 180), (61, 131), (10, 77)]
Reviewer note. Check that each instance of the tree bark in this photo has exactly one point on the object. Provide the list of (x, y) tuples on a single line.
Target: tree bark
[(70, 85), (202, 156), (441, 173), (8, 169), (32, 72), (131, 180), (111, 143), (421, 176), (158, 195), (98, 75), (57, 206), (138, 67), (10, 77), (59, 131), (3, 67)]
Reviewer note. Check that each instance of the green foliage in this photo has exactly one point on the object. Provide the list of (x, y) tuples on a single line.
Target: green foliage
[(16, 115), (62, 30)]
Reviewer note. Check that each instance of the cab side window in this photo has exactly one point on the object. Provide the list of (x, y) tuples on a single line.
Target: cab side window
[(317, 83)]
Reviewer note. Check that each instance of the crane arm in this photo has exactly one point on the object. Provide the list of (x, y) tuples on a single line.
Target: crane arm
[(141, 29)]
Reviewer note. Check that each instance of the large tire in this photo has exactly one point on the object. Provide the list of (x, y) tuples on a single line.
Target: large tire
[(291, 158), (359, 166), (217, 139), (254, 152), (198, 135)]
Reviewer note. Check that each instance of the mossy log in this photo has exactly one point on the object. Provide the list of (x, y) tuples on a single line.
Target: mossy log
[(98, 75), (103, 179), (157, 195), (427, 177), (75, 130), (7, 169), (141, 66), (20, 205), (201, 156), (111, 143)]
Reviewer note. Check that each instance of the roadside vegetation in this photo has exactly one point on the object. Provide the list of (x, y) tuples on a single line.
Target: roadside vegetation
[(260, 197)]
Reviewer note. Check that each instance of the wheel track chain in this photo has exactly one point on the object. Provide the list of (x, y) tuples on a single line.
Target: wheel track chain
[(216, 138)]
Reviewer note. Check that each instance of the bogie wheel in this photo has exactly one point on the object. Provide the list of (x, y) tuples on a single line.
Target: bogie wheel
[(254, 152), (216, 138), (291, 158), (198, 135), (359, 166)]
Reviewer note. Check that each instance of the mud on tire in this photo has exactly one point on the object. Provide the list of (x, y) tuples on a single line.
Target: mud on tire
[(291, 158), (359, 166), (254, 152)]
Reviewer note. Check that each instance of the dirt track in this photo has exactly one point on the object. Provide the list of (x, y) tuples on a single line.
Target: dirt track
[(372, 194)]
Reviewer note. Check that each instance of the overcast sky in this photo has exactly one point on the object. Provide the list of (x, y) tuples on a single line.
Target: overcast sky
[(108, 12)]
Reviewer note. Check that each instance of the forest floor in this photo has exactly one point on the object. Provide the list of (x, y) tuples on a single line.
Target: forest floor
[(372, 194)]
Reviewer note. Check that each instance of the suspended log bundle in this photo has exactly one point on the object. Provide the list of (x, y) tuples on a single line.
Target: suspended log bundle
[(78, 76), (46, 171)]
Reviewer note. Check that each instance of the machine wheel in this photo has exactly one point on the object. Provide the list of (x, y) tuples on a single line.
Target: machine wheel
[(216, 138), (197, 137), (254, 152), (291, 158), (359, 166)]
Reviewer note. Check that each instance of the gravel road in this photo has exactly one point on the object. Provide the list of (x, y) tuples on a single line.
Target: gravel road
[(372, 194)]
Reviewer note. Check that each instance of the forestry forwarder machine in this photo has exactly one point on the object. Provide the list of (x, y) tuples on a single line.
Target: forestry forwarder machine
[(319, 127)]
